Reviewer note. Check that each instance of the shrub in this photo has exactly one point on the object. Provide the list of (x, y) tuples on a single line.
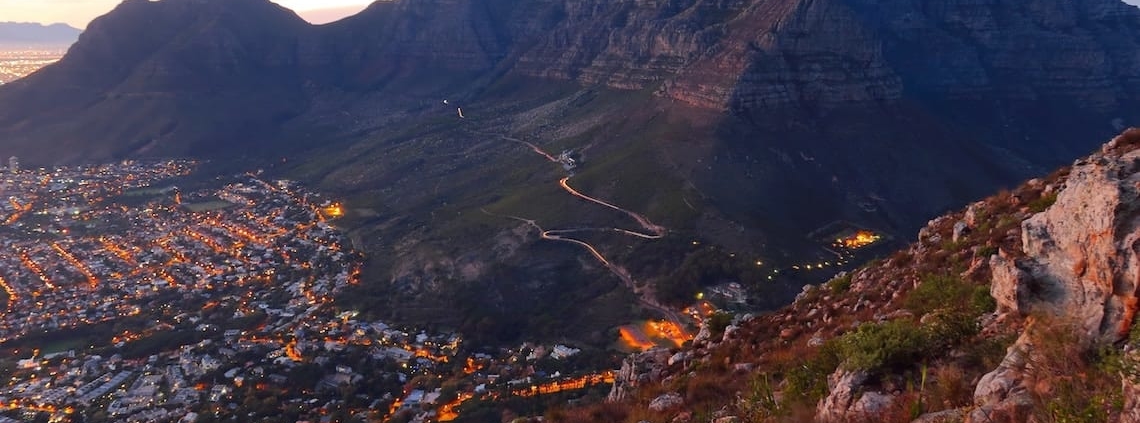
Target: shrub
[(874, 347), (1040, 204), (718, 322), (761, 402), (986, 251), (806, 381), (1082, 385), (840, 284), (937, 292)]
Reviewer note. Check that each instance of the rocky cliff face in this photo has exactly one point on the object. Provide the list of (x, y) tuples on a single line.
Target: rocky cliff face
[(1079, 270), (756, 57)]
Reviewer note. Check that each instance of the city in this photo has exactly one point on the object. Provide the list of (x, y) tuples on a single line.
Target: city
[(129, 299), (16, 63)]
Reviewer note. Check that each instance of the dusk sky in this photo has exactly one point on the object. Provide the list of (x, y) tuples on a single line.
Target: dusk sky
[(78, 13)]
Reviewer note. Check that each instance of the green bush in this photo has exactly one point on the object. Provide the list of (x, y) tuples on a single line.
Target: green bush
[(1039, 205), (806, 382), (874, 347), (840, 284), (940, 292), (718, 322)]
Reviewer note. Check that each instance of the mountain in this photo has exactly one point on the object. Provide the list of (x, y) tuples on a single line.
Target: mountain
[(24, 34), (1019, 307), (740, 126)]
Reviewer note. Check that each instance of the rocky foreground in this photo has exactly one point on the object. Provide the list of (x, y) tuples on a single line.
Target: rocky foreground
[(1019, 308)]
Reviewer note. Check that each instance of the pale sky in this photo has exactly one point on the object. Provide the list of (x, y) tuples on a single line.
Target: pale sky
[(78, 13)]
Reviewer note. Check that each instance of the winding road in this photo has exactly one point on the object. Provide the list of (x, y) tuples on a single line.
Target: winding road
[(653, 231)]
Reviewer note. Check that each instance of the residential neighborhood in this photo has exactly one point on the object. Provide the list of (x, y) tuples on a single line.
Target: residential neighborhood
[(130, 299)]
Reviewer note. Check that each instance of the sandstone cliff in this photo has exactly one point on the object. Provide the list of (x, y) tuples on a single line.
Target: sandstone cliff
[(990, 65)]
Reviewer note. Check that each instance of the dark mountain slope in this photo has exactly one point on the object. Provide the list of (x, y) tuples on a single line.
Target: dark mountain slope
[(161, 78), (741, 123)]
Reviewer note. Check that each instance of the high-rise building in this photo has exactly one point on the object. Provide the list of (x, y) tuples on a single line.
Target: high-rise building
[(13, 164)]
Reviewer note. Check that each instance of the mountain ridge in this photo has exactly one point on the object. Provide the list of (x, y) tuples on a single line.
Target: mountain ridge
[(32, 34), (744, 124)]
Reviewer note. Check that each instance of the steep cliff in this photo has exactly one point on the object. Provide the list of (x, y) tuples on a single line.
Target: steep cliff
[(998, 67)]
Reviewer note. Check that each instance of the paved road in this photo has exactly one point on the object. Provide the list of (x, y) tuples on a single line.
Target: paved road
[(645, 296)]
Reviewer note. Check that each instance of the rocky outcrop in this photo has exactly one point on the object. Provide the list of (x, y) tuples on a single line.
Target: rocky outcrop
[(636, 370), (666, 401), (1080, 269), (845, 402)]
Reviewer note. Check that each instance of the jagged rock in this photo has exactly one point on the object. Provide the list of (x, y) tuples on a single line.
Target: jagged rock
[(935, 239), (954, 415), (1002, 383), (807, 289), (960, 230), (1083, 246), (843, 386), (727, 419), (729, 331), (871, 403), (743, 367), (788, 333), (637, 369), (816, 340), (703, 335), (666, 401), (1010, 286), (973, 213), (1014, 410), (1080, 266), (680, 357)]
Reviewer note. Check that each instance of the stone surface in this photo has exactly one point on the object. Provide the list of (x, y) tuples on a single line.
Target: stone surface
[(953, 415), (1083, 248), (843, 389), (666, 401), (961, 228), (1010, 285), (637, 369), (1081, 268)]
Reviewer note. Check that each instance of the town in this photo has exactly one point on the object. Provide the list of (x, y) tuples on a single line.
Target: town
[(128, 299)]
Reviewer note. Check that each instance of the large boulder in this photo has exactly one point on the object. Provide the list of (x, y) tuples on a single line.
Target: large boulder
[(666, 401), (1081, 269), (846, 402)]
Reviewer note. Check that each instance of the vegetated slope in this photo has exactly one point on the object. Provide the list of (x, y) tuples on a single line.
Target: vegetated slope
[(1022, 307), (742, 125)]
